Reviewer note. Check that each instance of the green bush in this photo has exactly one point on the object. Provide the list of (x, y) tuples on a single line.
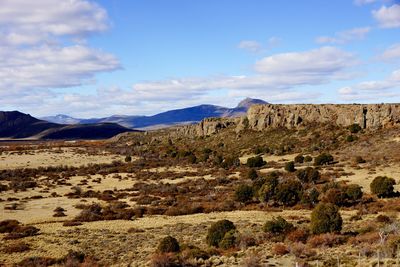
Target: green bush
[(289, 166), (307, 158), (382, 186), (299, 159), (354, 128), (168, 244), (351, 138), (229, 240), (308, 175), (217, 232), (325, 218), (278, 226), (244, 193), (255, 162), (353, 192), (252, 174), (323, 159), (267, 190), (128, 159), (288, 193)]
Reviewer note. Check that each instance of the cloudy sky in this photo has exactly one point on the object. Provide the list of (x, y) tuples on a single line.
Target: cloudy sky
[(90, 58)]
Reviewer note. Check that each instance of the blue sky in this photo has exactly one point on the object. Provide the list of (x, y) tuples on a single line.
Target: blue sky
[(91, 58)]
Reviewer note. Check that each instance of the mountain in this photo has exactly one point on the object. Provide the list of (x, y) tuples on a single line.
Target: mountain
[(165, 119), (61, 119), (14, 124)]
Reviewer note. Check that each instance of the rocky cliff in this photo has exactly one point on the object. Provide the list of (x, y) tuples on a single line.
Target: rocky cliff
[(370, 116), (260, 117)]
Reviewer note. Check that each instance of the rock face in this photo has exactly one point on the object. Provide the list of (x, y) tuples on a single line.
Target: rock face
[(260, 117), (208, 126), (370, 116)]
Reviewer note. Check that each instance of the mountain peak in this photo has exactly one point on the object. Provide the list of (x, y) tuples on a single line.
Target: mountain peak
[(247, 102)]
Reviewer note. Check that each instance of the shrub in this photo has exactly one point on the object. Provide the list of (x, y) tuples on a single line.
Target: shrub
[(323, 159), (288, 193), (289, 166), (299, 159), (229, 240), (128, 158), (350, 138), (252, 174), (268, 187), (382, 186), (359, 160), (325, 218), (164, 260), (308, 175), (383, 219), (353, 192), (307, 158), (280, 249), (278, 226), (217, 232), (335, 196), (354, 128), (16, 247), (22, 231), (256, 162), (244, 193), (168, 245), (326, 240), (298, 235), (8, 226)]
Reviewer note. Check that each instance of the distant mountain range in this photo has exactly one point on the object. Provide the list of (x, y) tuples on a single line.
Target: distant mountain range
[(164, 119), (14, 124)]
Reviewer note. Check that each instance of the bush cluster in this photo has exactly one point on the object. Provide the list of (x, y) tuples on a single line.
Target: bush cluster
[(278, 226), (323, 159), (244, 193), (325, 218), (217, 232), (382, 186), (255, 162)]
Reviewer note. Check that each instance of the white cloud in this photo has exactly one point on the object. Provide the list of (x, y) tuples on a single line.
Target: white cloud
[(317, 63), (27, 22), (257, 47), (372, 90), (392, 53), (364, 2), (278, 79), (250, 45), (388, 17), (33, 53), (345, 36)]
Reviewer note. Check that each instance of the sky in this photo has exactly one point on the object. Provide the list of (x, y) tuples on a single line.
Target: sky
[(88, 58)]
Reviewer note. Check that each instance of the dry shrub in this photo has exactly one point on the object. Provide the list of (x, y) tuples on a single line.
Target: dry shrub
[(301, 250), (8, 226), (280, 249), (246, 240), (21, 232), (164, 260), (36, 262), (16, 247), (134, 230), (326, 240), (71, 223), (298, 235), (383, 219), (367, 238), (252, 260)]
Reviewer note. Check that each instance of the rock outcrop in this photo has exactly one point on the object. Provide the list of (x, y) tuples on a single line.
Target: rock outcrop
[(260, 117), (369, 116)]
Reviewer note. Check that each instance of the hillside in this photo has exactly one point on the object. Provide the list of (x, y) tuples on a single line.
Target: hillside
[(14, 124)]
